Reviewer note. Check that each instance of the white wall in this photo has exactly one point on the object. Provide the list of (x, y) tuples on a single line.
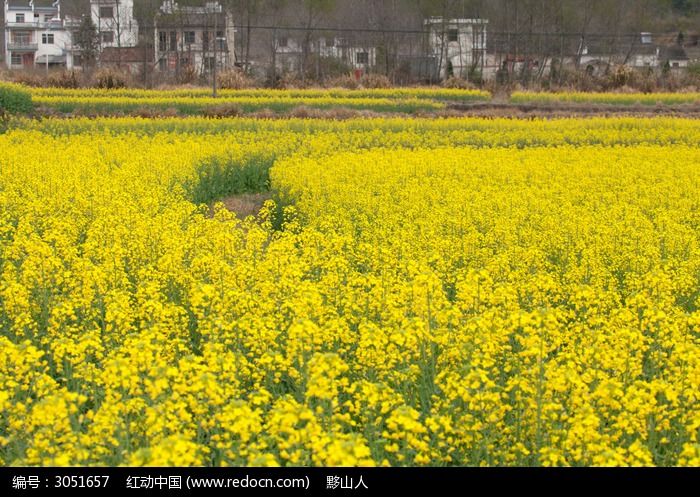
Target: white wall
[(348, 53), (645, 60), (35, 22), (10, 17), (122, 23), (471, 36)]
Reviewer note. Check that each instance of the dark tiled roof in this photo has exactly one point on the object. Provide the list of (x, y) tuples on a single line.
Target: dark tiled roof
[(38, 4), (18, 4), (693, 53), (645, 49), (602, 48), (674, 52)]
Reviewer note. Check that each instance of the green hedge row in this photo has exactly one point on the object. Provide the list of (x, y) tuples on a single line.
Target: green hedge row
[(14, 99)]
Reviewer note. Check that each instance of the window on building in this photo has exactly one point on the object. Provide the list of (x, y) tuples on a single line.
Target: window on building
[(173, 41), (189, 37), (646, 38), (205, 39), (162, 41), (676, 64), (452, 35), (220, 41), (77, 60), (47, 38), (19, 18), (16, 59), (107, 36), (283, 42), (162, 64), (209, 63), (362, 57), (330, 42), (106, 12), (22, 37)]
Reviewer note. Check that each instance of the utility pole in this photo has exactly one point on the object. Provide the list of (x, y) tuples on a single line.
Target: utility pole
[(47, 43), (216, 8), (216, 42)]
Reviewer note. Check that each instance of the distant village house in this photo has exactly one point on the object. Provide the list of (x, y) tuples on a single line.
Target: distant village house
[(36, 35), (201, 38), (115, 23), (458, 46), (194, 37)]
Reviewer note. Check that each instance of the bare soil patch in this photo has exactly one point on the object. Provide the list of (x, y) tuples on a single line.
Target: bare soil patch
[(559, 110), (245, 204)]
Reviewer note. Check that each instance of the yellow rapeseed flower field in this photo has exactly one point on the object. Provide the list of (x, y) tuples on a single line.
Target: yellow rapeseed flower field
[(196, 101), (589, 98), (420, 292)]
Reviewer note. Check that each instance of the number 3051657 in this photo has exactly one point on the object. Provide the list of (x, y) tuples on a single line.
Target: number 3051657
[(81, 481)]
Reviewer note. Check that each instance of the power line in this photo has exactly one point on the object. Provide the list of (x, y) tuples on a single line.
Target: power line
[(326, 29)]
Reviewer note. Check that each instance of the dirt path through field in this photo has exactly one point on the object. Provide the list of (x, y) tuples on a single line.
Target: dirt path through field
[(246, 204)]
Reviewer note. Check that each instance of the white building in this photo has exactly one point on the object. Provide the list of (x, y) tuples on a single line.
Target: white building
[(646, 54), (458, 45), (115, 23), (193, 37), (675, 57), (36, 35), (289, 53), (353, 54)]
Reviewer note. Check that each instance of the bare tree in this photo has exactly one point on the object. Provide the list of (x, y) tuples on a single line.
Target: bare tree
[(87, 40), (312, 13), (145, 14), (246, 13), (275, 10)]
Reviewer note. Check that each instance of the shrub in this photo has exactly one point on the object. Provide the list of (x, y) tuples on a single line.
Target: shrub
[(303, 112), (694, 70), (341, 114), (290, 81), (64, 79), (187, 75), (223, 110), (29, 78), (619, 77), (14, 99), (455, 83), (475, 76), (375, 81), (109, 79), (346, 81), (218, 178), (153, 113), (645, 80), (234, 79)]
